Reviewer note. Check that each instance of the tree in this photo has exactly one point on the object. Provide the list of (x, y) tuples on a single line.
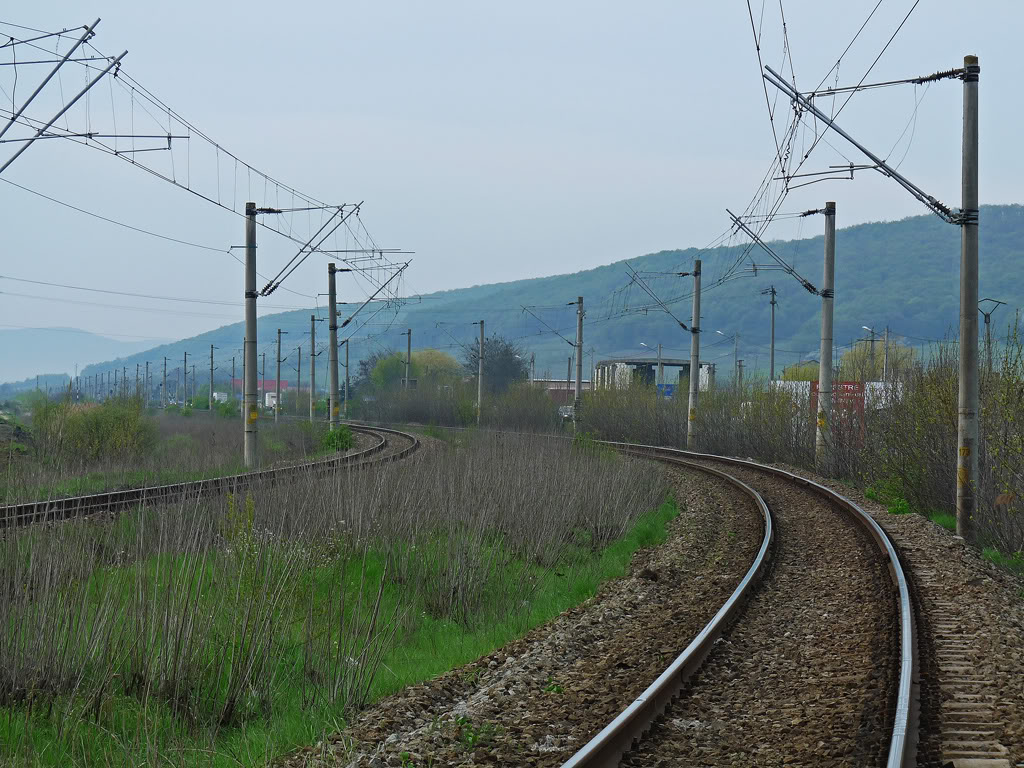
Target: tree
[(389, 371), (435, 365), (504, 363), (803, 371), (364, 369), (856, 363)]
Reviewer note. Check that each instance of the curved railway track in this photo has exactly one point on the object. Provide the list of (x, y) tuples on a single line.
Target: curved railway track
[(618, 737), (390, 445), (841, 669)]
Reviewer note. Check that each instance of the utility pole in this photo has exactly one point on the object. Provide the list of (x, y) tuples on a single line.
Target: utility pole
[(346, 376), (115, 383), (568, 380), (332, 327), (988, 329), (823, 436), (163, 386), (232, 378), (298, 374), (871, 355), (967, 421), (691, 423), (277, 395), (885, 356), (770, 291), (579, 359), (736, 360), (193, 384), (136, 379), (210, 400), (312, 367), (250, 409), (480, 377), (408, 355)]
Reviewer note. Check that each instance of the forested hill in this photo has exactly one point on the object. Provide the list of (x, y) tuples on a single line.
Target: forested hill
[(903, 274)]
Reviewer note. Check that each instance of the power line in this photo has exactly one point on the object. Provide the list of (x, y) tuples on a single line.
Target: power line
[(133, 294)]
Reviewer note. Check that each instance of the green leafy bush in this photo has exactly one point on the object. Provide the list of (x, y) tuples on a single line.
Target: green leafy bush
[(337, 439), (88, 431)]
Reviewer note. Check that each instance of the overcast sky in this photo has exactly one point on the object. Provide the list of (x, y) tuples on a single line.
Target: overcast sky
[(496, 140)]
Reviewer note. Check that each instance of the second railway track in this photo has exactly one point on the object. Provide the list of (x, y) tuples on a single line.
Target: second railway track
[(389, 445)]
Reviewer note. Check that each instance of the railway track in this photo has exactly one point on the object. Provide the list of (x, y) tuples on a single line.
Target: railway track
[(820, 669), (390, 445)]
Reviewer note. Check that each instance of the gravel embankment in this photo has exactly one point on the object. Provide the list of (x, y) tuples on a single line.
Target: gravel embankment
[(986, 606), (538, 699), (808, 675)]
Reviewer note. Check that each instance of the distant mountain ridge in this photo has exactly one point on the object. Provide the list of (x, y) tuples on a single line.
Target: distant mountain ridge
[(903, 274), (28, 352)]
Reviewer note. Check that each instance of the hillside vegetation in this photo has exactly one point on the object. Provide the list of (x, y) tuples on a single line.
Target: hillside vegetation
[(901, 273)]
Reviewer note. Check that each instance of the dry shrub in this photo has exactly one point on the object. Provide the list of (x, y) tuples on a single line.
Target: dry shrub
[(223, 611)]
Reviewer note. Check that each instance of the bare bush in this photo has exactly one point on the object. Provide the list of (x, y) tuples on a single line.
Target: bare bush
[(224, 611)]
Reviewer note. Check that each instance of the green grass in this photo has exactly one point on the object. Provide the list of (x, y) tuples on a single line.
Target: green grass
[(116, 728), (890, 493), (1012, 562), (945, 519)]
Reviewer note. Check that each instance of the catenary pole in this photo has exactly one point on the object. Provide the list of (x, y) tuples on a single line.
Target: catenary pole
[(346, 376), (823, 436), (147, 384), (163, 387), (408, 354), (967, 421), (578, 394), (771, 348), (298, 375), (480, 377), (332, 345), (209, 402), (691, 423), (277, 387), (312, 367), (250, 408)]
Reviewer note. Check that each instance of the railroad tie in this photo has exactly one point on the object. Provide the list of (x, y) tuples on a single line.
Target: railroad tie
[(970, 731)]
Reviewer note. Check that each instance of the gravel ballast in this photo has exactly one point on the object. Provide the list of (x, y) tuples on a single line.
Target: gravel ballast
[(808, 675)]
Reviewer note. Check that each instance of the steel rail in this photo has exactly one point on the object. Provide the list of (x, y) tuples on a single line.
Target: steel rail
[(50, 510), (607, 747), (903, 740)]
